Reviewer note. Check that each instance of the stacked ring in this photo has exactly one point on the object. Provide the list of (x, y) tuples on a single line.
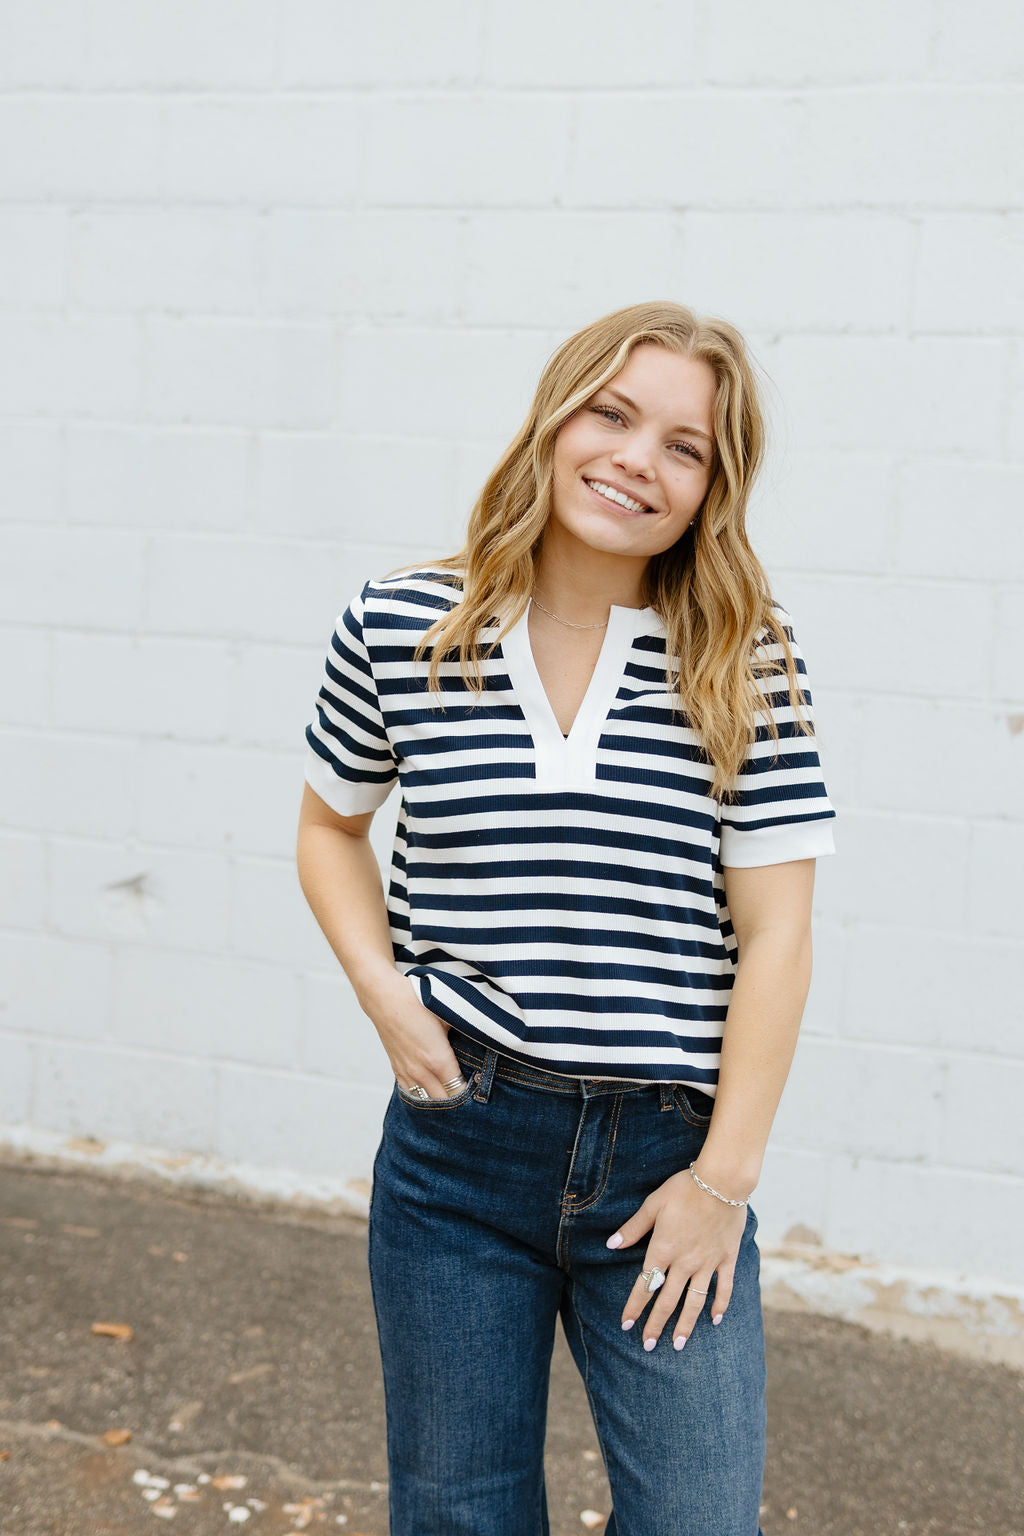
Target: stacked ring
[(455, 1086)]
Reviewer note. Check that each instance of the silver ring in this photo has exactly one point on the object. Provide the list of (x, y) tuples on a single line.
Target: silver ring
[(697, 1289), (654, 1278), (456, 1083), (418, 1092)]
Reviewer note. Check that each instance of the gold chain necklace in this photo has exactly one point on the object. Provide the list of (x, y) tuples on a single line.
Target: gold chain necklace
[(570, 623)]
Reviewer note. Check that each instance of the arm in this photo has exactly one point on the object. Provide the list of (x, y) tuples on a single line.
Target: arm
[(696, 1236), (340, 879), (770, 907)]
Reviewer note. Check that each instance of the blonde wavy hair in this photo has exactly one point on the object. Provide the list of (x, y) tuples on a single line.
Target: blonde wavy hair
[(709, 587)]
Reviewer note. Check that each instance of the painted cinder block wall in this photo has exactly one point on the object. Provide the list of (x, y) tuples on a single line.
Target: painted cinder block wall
[(276, 282)]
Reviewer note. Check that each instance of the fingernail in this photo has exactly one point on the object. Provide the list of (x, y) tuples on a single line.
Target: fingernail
[(629, 1322), (614, 1241), (680, 1341), (649, 1343), (718, 1319)]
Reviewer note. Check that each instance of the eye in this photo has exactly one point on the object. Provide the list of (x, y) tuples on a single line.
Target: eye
[(610, 413)]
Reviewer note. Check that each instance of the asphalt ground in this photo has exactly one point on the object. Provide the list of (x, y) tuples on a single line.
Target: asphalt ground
[(249, 1393)]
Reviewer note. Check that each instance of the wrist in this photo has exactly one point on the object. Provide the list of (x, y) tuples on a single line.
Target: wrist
[(376, 984), (729, 1181)]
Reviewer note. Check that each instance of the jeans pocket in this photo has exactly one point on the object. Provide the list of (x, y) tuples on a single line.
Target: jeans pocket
[(451, 1102), (694, 1106)]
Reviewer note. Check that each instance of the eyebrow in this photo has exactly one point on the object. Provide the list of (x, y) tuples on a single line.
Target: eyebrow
[(693, 431)]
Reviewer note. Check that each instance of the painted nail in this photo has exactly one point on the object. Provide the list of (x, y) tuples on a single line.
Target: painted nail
[(649, 1343), (680, 1341), (718, 1319), (629, 1322), (615, 1241)]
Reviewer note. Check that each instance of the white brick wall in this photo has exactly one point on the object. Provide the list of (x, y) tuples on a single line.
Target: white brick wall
[(276, 282)]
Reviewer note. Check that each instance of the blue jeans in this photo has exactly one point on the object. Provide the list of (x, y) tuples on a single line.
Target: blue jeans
[(488, 1220)]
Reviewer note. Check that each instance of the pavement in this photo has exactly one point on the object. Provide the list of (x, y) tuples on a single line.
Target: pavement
[(249, 1394)]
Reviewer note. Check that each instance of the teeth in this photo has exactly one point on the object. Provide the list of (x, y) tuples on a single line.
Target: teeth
[(613, 495)]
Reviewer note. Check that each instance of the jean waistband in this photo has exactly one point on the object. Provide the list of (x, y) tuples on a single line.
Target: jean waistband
[(472, 1053)]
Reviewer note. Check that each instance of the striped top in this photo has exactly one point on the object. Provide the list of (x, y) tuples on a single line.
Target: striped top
[(559, 897)]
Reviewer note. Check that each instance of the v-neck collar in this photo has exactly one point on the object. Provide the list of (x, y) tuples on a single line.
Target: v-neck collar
[(562, 760)]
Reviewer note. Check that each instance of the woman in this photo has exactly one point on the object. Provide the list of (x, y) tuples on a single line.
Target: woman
[(591, 965)]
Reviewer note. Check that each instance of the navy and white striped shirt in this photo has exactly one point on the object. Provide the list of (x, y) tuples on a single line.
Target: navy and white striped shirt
[(559, 897)]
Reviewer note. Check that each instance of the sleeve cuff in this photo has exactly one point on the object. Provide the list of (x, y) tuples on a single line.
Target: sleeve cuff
[(776, 845), (343, 795)]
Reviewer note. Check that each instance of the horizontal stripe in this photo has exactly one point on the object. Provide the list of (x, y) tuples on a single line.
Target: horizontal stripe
[(559, 895)]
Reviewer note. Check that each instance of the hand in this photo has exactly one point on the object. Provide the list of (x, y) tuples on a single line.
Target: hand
[(694, 1235), (415, 1039)]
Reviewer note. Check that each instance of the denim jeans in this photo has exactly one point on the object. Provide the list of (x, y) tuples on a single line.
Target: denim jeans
[(488, 1221)]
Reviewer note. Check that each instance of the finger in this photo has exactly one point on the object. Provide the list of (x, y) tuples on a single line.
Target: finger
[(665, 1304), (453, 1078), (723, 1292), (438, 1064), (640, 1297), (632, 1230), (435, 1080), (693, 1306), (420, 1087), (424, 1058)]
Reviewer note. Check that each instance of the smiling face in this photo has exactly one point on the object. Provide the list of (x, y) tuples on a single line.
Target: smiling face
[(634, 463)]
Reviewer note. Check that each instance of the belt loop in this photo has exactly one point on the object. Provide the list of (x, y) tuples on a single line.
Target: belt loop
[(665, 1095), (485, 1076)]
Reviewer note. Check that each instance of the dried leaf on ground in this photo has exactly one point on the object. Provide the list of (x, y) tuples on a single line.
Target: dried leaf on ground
[(251, 1372), (114, 1330)]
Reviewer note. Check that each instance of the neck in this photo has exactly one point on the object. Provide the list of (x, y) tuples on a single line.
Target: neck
[(583, 583)]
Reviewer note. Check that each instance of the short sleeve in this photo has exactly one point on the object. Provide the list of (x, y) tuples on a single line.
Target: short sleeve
[(349, 759), (781, 809)]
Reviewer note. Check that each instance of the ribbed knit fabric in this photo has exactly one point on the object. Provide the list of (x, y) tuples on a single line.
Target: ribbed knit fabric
[(560, 897)]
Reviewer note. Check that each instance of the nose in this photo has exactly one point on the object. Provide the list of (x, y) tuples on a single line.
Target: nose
[(633, 455)]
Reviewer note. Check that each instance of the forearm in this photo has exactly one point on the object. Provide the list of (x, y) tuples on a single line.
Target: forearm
[(761, 1029), (340, 879)]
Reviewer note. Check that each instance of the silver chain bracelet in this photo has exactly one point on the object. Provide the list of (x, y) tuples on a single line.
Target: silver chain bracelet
[(714, 1192)]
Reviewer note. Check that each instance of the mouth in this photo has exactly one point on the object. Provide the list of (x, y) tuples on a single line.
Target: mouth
[(616, 501)]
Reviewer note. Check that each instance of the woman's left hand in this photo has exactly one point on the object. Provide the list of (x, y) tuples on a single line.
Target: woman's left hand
[(694, 1236)]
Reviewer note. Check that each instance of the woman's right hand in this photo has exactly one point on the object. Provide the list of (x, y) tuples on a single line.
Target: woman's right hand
[(416, 1040)]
